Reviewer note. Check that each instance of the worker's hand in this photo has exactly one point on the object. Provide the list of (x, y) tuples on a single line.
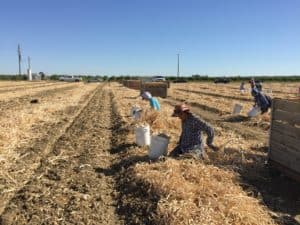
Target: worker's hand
[(213, 147)]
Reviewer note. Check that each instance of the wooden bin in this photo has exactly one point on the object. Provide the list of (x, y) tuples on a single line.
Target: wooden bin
[(159, 89), (284, 143), (133, 84)]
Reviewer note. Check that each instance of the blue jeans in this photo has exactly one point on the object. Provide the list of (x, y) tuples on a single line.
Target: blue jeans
[(177, 151)]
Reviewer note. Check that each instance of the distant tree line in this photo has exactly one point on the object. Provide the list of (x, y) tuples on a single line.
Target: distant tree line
[(196, 77), (13, 77)]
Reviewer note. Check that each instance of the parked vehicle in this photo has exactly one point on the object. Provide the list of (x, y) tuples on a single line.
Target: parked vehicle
[(158, 79), (70, 78), (221, 80)]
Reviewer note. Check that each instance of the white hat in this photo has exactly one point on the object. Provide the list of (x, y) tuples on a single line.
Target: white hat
[(146, 95)]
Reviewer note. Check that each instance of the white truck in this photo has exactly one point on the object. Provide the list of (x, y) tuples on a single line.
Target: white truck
[(70, 78)]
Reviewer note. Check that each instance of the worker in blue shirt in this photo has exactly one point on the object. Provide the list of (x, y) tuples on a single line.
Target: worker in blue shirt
[(153, 101)]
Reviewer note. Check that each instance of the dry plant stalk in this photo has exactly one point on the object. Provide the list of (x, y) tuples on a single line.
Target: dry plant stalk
[(195, 193)]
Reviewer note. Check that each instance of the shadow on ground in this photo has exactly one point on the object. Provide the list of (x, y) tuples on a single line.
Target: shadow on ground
[(236, 119), (279, 193)]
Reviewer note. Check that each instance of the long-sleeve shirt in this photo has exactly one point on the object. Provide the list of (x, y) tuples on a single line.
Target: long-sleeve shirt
[(154, 103), (260, 99), (191, 135)]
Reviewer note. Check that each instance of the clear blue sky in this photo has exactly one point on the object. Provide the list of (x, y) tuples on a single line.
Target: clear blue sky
[(215, 37)]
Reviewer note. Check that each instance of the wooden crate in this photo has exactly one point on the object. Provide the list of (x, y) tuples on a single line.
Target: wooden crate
[(284, 143), (133, 84), (159, 89)]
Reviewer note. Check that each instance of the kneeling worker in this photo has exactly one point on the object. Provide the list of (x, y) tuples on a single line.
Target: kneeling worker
[(261, 100), (191, 139), (153, 101)]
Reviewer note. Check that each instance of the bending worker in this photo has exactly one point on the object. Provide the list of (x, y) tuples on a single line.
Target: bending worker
[(191, 138), (153, 101), (261, 100)]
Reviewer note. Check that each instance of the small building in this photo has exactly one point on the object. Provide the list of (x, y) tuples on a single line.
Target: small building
[(36, 76)]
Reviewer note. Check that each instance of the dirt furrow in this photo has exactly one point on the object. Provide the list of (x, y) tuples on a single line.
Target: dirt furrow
[(69, 186), (18, 103), (214, 118), (25, 83), (24, 87), (33, 153), (217, 95)]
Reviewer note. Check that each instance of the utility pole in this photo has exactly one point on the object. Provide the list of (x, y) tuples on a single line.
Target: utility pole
[(29, 70), (177, 65), (29, 66), (20, 58)]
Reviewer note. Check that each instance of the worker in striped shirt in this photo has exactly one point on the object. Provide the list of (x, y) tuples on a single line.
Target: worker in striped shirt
[(191, 135)]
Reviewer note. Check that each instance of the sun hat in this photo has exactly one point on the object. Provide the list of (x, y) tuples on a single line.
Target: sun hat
[(179, 109), (146, 95)]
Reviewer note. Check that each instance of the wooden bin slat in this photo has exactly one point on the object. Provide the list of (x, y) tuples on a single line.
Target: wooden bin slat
[(292, 118), (287, 129), (289, 106), (284, 151), (285, 156), (286, 140)]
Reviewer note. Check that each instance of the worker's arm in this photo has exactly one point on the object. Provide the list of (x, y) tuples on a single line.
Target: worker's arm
[(207, 128)]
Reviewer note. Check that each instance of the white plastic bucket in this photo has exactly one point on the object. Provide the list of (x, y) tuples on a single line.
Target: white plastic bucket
[(158, 146), (142, 135), (237, 108), (136, 112), (253, 112)]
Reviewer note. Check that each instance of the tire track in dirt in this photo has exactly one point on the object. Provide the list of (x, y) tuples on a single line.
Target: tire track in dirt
[(19, 102), (68, 187)]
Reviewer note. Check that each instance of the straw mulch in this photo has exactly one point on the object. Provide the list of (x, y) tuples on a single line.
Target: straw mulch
[(194, 193)]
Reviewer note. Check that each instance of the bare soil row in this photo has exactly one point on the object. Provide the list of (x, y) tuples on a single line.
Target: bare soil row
[(69, 186), (28, 134)]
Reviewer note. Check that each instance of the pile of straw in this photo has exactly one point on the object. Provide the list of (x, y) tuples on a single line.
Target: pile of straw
[(194, 193)]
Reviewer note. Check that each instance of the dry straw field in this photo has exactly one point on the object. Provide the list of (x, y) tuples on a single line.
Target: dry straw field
[(69, 157)]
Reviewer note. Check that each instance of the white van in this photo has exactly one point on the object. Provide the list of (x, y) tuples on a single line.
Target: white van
[(158, 78), (70, 78)]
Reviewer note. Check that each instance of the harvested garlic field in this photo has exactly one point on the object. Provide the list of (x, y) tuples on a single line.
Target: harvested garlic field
[(68, 156)]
